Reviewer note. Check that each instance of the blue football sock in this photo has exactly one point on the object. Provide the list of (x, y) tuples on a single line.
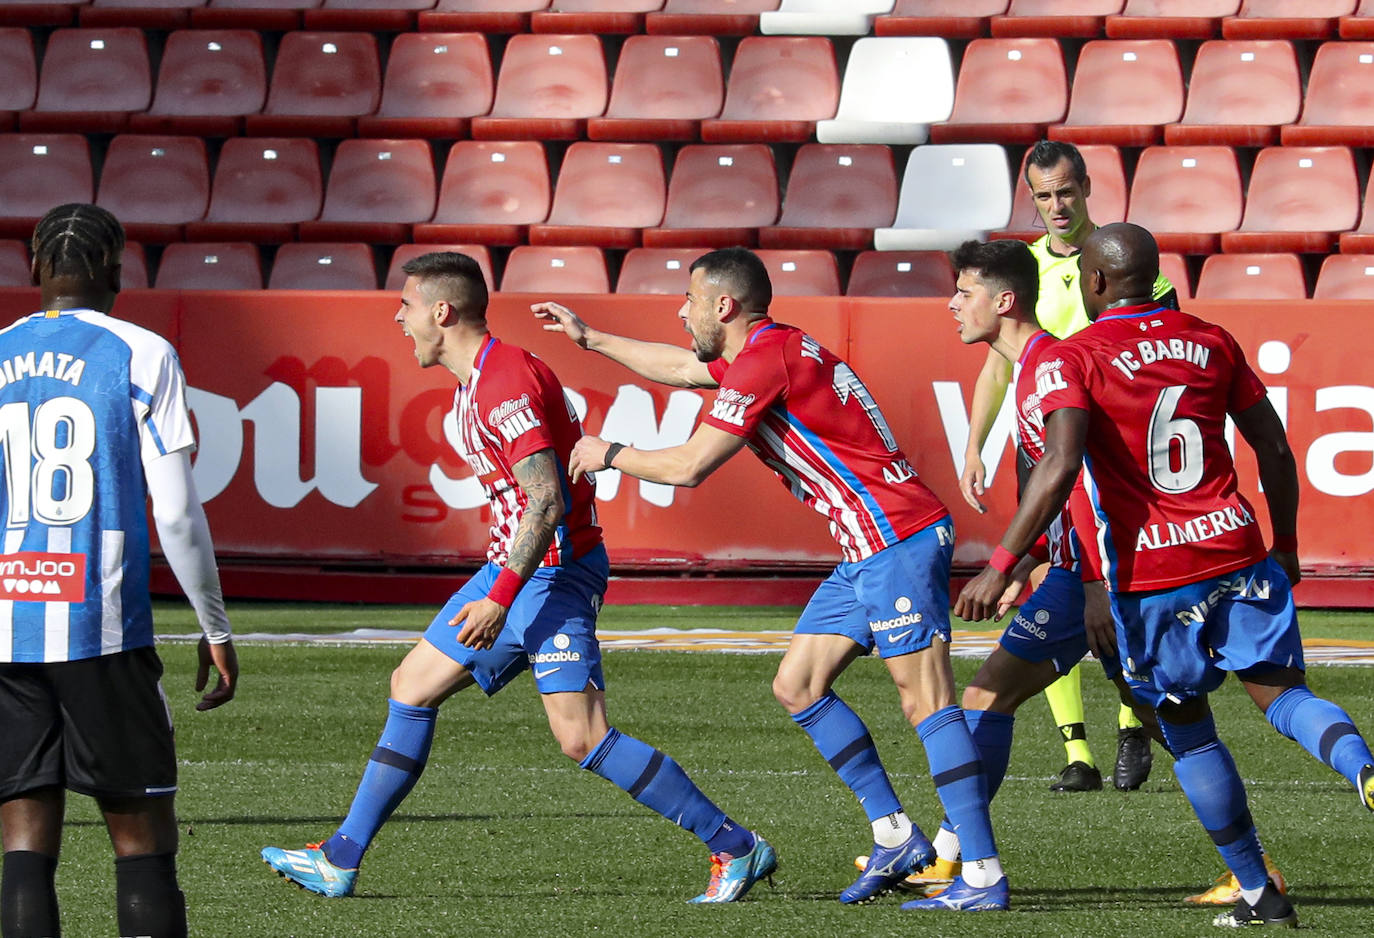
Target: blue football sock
[(958, 777), (656, 781), (991, 732), (1322, 728), (843, 741), (1208, 776), (391, 773)]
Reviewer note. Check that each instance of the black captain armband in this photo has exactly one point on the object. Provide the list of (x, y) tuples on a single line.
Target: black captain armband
[(611, 452)]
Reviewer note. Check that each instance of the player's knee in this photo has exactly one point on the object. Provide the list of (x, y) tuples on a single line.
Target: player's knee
[(794, 693), (978, 698), (577, 746)]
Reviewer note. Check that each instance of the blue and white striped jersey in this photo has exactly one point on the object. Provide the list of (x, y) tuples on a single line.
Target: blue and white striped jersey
[(85, 401)]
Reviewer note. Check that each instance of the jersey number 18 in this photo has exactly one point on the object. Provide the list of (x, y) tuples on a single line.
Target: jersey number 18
[(48, 461)]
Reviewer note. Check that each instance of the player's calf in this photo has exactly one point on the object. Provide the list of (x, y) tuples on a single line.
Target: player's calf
[(149, 900), (28, 899)]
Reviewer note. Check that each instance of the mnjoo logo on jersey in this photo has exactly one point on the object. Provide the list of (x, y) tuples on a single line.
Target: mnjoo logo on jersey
[(730, 405), (905, 617), (37, 577), (513, 417)]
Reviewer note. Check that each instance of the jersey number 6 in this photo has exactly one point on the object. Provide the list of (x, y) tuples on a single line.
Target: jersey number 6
[(1167, 473)]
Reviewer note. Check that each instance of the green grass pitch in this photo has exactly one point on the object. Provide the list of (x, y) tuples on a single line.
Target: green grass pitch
[(503, 836)]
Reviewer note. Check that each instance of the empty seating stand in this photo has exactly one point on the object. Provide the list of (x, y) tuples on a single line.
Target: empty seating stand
[(901, 273), (1009, 91), (1124, 91), (1298, 199), (802, 272), (1286, 19), (155, 184), (90, 81), (1187, 196), (230, 265), (14, 264), (490, 193), (664, 87), (546, 269), (836, 195), (604, 17), (377, 190), (778, 88), (321, 84), (876, 101), (207, 81), (655, 270), (1059, 18), (546, 89), (950, 193), (263, 188), (434, 84), (718, 196), (1170, 19), (41, 171), (714, 17), (18, 74), (951, 19), (606, 193), (1345, 277), (482, 16), (304, 266), (1240, 93), (1265, 276), (1339, 106), (823, 17)]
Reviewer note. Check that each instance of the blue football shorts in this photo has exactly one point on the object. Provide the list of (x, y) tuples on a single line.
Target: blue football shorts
[(896, 600), (1179, 643), (550, 629), (1049, 624)]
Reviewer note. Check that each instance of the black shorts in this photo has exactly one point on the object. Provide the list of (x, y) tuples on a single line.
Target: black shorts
[(98, 726)]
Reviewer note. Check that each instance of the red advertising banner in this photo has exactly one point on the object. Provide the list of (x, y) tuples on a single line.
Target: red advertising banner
[(323, 441)]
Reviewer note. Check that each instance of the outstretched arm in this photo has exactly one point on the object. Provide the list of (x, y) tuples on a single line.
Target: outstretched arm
[(1278, 472), (184, 535), (657, 361), (686, 465), (1044, 495), (537, 475), (988, 393)]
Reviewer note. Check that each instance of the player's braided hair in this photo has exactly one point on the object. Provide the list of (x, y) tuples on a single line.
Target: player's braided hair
[(77, 240)]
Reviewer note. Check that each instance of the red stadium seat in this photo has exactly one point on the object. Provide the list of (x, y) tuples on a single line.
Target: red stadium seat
[(263, 188), (1345, 277), (228, 265), (655, 270), (145, 14), (133, 272), (1170, 19), (876, 103), (1083, 19), (712, 17), (1361, 240), (207, 81), (836, 195), (154, 185), (1009, 91), (269, 15), (1124, 91), (374, 15), (90, 81), (549, 269), (802, 273), (302, 266), (1299, 199), (664, 87), (40, 172), (547, 88), (1339, 105), (481, 16), (377, 189), (490, 194), (14, 264), (718, 196), (1187, 196), (952, 19), (604, 17), (901, 273), (434, 83), (1286, 19), (396, 278), (779, 87), (1175, 268), (1360, 24), (606, 193), (1107, 177), (321, 84), (950, 193), (41, 12), (1251, 277), (1240, 92), (18, 74)]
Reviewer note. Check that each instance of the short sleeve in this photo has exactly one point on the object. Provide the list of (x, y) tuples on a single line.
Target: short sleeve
[(1063, 381), (1247, 389), (514, 404), (159, 386), (749, 385)]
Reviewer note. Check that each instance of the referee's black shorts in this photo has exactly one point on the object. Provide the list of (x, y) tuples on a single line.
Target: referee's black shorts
[(99, 726)]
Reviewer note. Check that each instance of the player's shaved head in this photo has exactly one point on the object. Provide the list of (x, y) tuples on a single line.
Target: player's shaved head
[(452, 277), (1119, 262), (739, 273)]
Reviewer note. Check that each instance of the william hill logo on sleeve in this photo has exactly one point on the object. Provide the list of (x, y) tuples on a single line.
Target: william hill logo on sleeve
[(513, 417), (35, 577), (730, 405)]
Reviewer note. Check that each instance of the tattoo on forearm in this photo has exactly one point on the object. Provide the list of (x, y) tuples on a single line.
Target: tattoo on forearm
[(537, 475)]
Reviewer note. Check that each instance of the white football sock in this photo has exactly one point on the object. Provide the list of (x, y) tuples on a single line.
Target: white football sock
[(893, 830)]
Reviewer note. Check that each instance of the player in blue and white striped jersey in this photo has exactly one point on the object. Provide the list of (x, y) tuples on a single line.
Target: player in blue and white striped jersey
[(93, 421)]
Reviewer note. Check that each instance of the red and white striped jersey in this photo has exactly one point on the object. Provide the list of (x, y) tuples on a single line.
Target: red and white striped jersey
[(810, 419), (1030, 438), (512, 407)]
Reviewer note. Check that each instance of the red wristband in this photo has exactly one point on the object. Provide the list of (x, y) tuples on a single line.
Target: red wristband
[(1003, 560), (507, 585), (1286, 543)]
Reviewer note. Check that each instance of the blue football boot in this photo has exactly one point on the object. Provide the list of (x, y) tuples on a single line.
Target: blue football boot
[(732, 877), (961, 897), (311, 870), (888, 866)]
